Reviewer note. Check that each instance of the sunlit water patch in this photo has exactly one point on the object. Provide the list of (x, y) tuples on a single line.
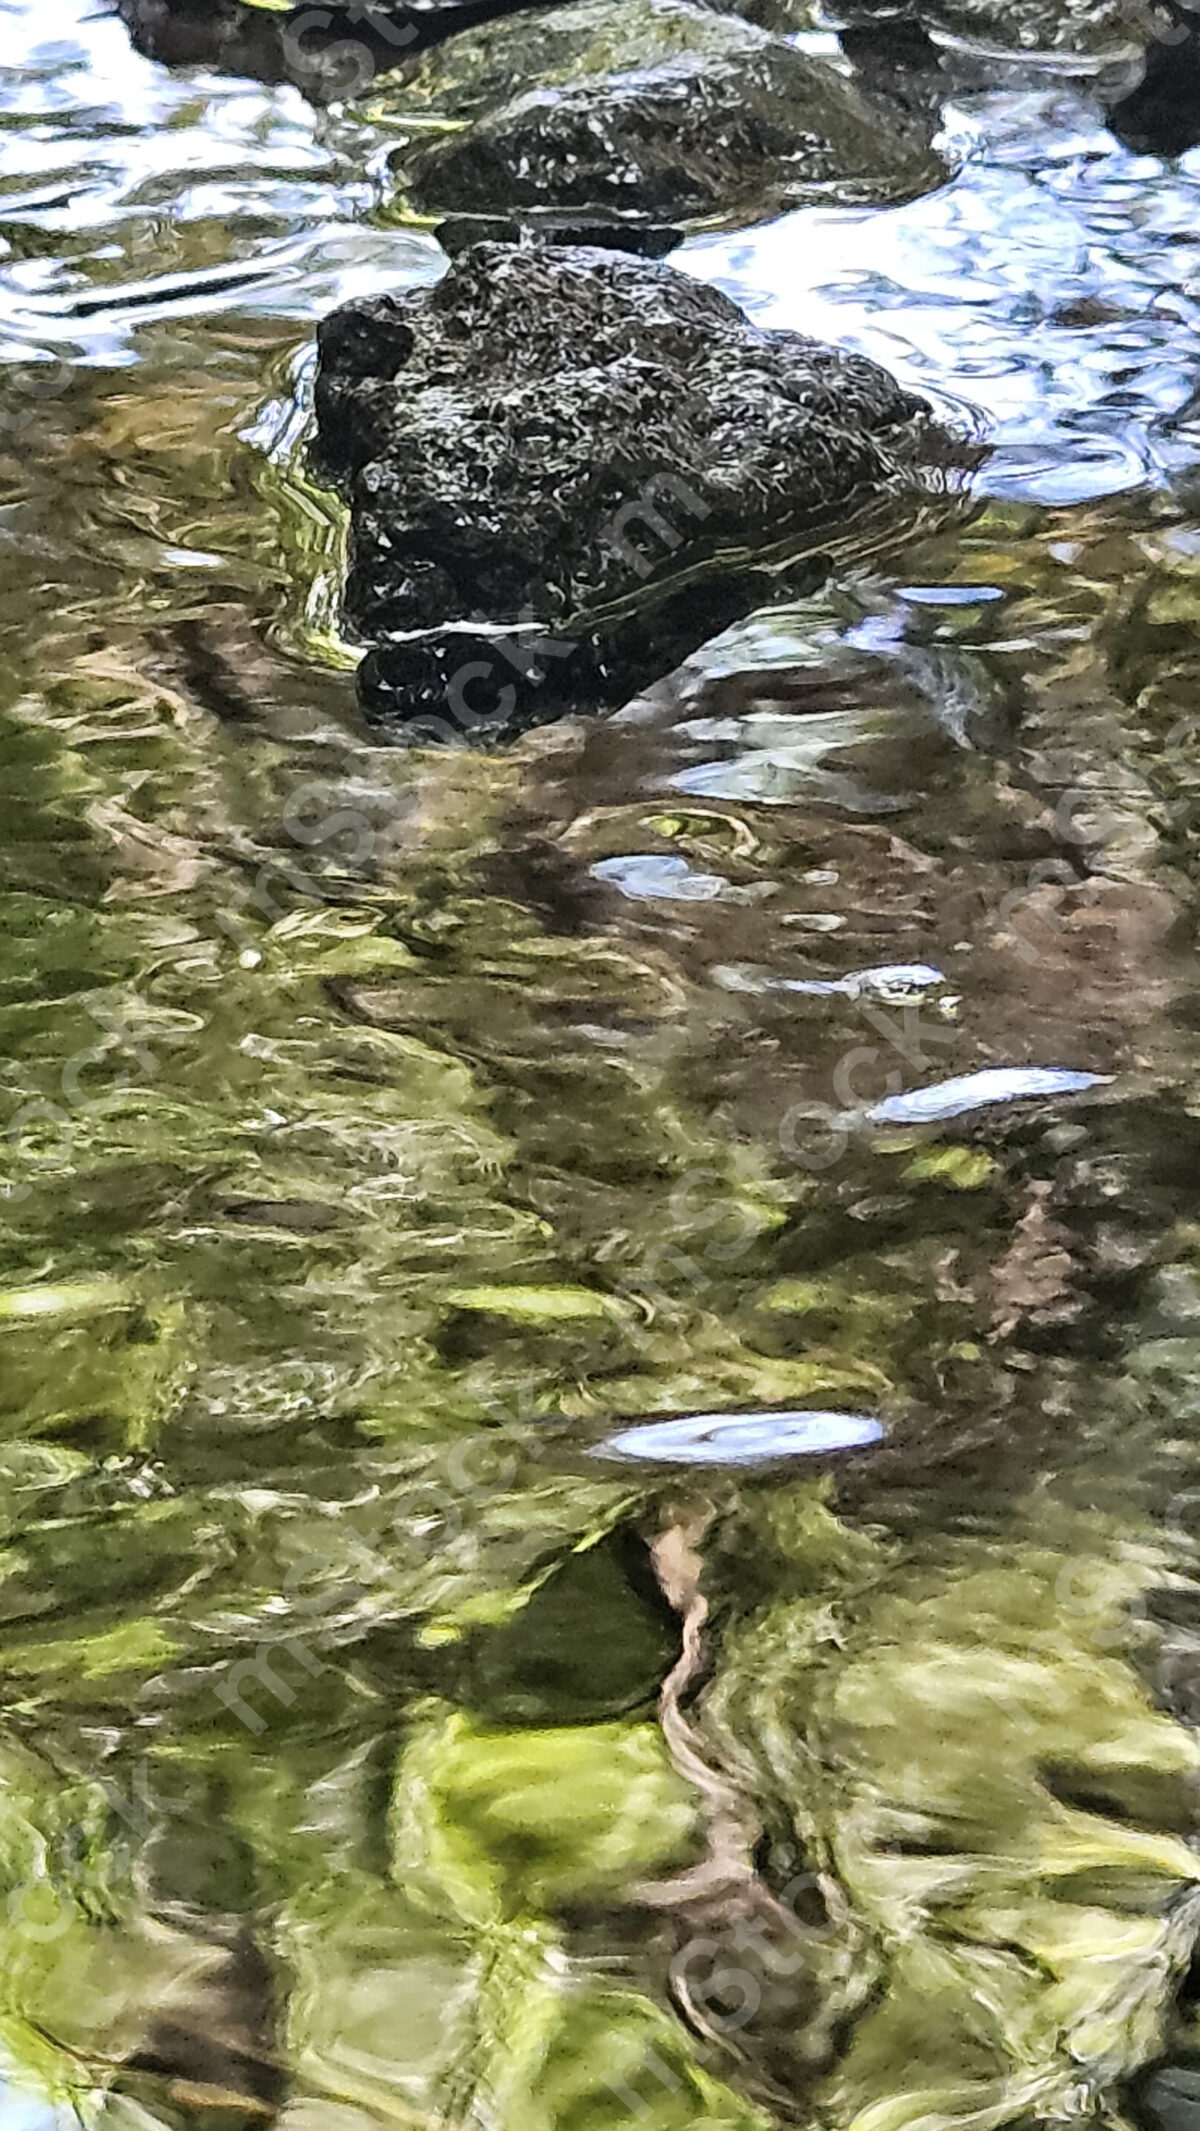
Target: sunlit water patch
[(978, 1091), (1050, 285), (740, 1440), (126, 195)]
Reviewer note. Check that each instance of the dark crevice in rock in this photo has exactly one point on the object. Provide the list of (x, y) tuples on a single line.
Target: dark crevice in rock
[(646, 240)]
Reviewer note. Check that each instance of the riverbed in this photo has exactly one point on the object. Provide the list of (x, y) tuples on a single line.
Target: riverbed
[(386, 1129)]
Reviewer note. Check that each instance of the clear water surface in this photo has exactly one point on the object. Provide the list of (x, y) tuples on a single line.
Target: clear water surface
[(383, 1132)]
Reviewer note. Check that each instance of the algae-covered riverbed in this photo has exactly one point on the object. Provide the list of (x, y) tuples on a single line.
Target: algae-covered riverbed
[(600, 1329)]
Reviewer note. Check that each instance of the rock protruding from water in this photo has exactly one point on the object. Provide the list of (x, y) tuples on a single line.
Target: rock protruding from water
[(635, 108), (587, 460), (329, 52), (1071, 28)]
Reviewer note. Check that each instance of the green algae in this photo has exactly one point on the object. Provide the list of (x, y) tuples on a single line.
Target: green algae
[(321, 1652)]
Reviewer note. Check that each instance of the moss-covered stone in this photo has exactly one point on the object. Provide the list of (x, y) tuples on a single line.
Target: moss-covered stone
[(644, 108)]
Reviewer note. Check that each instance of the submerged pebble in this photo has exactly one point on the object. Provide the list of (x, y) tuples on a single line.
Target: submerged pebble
[(743, 1438)]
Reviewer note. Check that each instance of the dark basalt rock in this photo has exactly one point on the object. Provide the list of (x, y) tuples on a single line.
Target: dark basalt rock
[(1160, 113), (568, 467), (1071, 28), (643, 108)]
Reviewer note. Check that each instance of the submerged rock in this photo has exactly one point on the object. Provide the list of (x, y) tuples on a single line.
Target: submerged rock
[(654, 108), (1080, 28), (566, 465)]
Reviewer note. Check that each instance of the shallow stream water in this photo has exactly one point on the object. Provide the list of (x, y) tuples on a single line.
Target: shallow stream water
[(382, 1128)]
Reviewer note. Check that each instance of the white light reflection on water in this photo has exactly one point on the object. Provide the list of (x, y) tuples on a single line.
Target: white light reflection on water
[(743, 1439), (235, 195), (1030, 288), (979, 1091)]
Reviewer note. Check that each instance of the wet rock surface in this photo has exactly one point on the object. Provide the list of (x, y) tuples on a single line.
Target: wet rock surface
[(1081, 27), (645, 107), (329, 52), (599, 449), (1159, 114), (910, 64), (383, 1130), (1149, 99), (580, 118)]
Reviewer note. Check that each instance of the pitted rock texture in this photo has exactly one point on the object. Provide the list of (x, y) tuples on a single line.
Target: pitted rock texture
[(574, 439), (654, 108)]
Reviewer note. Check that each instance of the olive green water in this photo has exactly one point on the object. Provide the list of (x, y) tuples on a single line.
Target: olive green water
[(379, 1128)]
